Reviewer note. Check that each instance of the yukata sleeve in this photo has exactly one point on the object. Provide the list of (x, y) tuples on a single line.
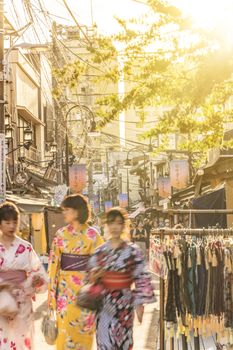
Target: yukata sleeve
[(144, 292), (93, 262), (97, 239), (35, 270), (53, 270)]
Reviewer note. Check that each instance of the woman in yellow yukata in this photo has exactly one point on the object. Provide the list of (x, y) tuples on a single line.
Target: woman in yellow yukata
[(71, 249)]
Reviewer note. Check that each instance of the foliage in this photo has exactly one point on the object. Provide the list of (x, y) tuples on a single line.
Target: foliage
[(166, 62)]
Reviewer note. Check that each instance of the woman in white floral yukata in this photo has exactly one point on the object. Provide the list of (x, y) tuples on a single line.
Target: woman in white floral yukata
[(71, 249), (21, 276)]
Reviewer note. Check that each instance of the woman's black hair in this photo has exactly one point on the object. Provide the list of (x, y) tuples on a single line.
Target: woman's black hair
[(117, 212), (9, 211), (79, 203)]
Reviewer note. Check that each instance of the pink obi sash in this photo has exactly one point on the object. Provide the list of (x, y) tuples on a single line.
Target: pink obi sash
[(14, 277)]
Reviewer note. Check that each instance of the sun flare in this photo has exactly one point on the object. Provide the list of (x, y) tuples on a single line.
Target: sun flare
[(208, 13)]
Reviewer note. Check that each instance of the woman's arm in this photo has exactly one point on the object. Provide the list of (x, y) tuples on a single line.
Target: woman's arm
[(144, 293), (53, 270), (37, 279)]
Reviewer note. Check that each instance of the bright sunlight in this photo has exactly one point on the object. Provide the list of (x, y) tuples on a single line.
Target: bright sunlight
[(208, 14)]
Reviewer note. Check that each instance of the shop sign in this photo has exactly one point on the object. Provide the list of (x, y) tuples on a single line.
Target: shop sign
[(108, 206), (179, 173), (21, 178), (123, 200), (78, 177), (164, 187), (59, 195), (96, 204)]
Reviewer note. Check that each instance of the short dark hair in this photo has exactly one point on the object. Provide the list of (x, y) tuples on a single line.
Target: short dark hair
[(79, 203), (9, 211), (116, 212)]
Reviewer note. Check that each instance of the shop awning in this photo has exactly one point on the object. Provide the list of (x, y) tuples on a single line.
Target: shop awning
[(28, 205), (27, 115), (137, 212)]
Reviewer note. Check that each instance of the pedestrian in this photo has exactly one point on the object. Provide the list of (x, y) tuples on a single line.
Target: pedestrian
[(21, 276), (120, 264), (140, 237), (133, 231), (147, 227), (72, 246)]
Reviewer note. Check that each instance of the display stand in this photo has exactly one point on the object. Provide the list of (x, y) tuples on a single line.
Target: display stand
[(192, 232)]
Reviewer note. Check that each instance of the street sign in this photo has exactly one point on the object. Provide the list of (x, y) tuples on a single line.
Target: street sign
[(2, 168)]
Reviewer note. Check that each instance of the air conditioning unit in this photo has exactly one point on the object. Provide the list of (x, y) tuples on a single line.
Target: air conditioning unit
[(97, 168), (73, 34)]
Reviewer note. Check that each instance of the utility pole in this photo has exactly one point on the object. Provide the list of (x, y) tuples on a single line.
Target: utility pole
[(2, 109), (90, 174), (57, 125), (2, 101), (107, 166)]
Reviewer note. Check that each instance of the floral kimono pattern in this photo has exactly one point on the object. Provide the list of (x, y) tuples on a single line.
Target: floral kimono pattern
[(17, 334), (115, 320), (76, 326)]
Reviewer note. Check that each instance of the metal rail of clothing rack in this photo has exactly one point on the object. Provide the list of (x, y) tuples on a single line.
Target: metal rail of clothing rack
[(192, 232)]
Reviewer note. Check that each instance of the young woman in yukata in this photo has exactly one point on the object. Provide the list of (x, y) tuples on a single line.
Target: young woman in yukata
[(21, 276), (71, 249), (119, 264)]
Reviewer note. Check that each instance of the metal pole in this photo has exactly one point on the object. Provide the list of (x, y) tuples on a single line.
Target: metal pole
[(198, 211), (2, 100), (81, 107), (107, 165), (2, 110), (144, 177), (128, 188), (67, 158), (193, 231), (161, 308)]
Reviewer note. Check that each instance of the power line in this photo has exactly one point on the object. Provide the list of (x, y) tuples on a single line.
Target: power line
[(76, 22), (123, 139)]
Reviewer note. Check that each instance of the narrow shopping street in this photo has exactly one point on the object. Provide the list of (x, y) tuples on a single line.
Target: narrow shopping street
[(116, 127), (145, 335)]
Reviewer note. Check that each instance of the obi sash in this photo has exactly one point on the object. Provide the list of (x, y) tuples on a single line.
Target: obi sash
[(117, 280), (74, 262), (14, 277)]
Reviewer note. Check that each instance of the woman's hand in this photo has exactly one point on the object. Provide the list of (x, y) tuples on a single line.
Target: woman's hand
[(140, 312), (95, 274), (37, 282), (9, 315)]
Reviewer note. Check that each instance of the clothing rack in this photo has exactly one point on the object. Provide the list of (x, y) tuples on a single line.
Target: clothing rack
[(191, 232)]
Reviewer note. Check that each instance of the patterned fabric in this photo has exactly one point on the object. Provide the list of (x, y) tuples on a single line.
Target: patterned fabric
[(76, 326), (17, 334), (228, 289), (115, 320)]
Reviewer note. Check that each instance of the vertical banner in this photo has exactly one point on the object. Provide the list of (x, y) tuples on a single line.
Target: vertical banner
[(108, 205), (78, 178), (123, 200), (164, 187), (2, 168), (179, 173), (96, 204), (59, 195)]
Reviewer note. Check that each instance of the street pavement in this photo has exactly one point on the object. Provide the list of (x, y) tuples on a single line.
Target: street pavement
[(145, 334)]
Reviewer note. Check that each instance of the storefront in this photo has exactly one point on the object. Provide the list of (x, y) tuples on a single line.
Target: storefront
[(32, 227)]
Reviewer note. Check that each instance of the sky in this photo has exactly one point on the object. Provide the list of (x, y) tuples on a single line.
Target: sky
[(206, 13), (103, 12)]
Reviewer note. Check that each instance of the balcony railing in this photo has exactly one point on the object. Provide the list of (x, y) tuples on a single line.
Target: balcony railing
[(32, 154)]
